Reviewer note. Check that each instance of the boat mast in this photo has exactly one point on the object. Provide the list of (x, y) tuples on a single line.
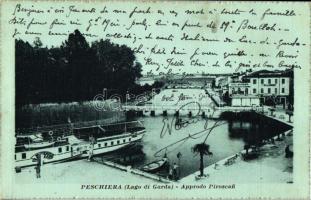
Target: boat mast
[(125, 127)]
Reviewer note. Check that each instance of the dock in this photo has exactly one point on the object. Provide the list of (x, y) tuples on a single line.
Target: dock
[(133, 171), (279, 115), (81, 171)]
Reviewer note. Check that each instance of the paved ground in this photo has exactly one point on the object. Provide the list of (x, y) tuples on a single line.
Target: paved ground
[(80, 172), (270, 167)]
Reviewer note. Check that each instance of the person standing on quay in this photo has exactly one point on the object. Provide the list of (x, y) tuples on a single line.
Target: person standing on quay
[(175, 175), (38, 170), (38, 166)]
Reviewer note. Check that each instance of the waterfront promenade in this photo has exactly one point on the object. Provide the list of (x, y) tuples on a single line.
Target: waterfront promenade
[(270, 167), (80, 172), (279, 115)]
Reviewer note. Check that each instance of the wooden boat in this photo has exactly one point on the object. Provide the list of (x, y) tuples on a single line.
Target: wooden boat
[(35, 141), (155, 165), (37, 145)]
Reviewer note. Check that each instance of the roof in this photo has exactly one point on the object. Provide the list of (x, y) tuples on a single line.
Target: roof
[(267, 73)]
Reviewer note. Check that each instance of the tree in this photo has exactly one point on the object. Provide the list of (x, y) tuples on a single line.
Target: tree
[(202, 149), (116, 63), (37, 43), (80, 66), (75, 71)]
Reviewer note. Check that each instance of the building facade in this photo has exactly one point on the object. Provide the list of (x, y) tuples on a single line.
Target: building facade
[(239, 88), (242, 100), (275, 87)]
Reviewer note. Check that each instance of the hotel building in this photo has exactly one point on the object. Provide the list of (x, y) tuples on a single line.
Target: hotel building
[(267, 85)]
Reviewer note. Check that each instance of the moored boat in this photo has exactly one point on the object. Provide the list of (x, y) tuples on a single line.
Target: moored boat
[(81, 143), (36, 142), (38, 145), (155, 165)]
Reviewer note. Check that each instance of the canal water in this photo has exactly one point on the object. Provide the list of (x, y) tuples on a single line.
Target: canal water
[(226, 137)]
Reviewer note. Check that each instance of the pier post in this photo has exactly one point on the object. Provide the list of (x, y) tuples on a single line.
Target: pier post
[(190, 114), (164, 112), (152, 113)]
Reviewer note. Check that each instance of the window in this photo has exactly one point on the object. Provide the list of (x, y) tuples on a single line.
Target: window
[(254, 81), (130, 139), (106, 144), (283, 80), (15, 157), (276, 80), (23, 155), (124, 141), (246, 90), (254, 91), (118, 141), (275, 90), (67, 148), (261, 91), (262, 81), (269, 81), (111, 143), (99, 145), (269, 90), (59, 150), (283, 90)]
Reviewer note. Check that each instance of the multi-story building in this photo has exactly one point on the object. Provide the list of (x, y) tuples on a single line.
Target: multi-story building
[(271, 85), (239, 88), (276, 86)]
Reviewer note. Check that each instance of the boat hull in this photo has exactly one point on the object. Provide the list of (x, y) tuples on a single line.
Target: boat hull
[(77, 151), (158, 165)]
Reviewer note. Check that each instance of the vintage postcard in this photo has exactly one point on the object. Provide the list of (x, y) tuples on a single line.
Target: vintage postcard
[(155, 99)]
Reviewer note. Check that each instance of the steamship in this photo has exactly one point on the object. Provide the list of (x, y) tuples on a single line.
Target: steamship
[(50, 147)]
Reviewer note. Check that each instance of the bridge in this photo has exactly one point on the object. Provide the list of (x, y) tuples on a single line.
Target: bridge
[(176, 77), (190, 109)]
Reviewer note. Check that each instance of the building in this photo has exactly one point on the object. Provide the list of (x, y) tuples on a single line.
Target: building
[(242, 100), (275, 86), (239, 88), (272, 87), (238, 85)]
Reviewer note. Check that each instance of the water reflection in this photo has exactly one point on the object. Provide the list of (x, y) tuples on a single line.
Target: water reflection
[(252, 128)]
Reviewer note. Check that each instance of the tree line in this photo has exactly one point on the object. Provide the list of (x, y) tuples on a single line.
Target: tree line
[(74, 71)]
